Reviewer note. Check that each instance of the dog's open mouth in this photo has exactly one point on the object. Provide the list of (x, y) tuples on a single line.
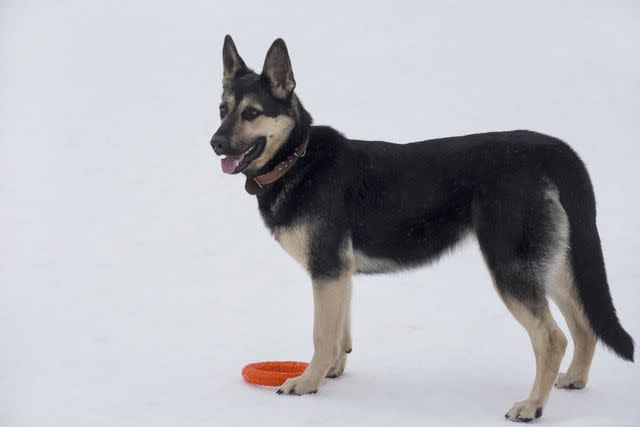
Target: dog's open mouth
[(237, 163)]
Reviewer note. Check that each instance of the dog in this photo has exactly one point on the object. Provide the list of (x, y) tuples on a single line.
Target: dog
[(341, 207)]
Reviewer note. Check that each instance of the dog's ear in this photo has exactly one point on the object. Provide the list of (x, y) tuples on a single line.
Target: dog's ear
[(231, 61), (277, 70)]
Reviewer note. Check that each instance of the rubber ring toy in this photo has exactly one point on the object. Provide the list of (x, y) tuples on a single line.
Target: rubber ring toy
[(272, 373)]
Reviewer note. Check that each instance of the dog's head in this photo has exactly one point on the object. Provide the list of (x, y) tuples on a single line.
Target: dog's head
[(258, 111)]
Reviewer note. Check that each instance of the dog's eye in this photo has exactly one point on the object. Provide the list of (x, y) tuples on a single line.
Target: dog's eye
[(250, 114), (223, 110)]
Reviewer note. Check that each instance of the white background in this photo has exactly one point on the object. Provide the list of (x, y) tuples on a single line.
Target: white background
[(136, 280)]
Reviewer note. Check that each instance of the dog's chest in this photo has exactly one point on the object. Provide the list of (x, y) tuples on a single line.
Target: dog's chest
[(295, 240)]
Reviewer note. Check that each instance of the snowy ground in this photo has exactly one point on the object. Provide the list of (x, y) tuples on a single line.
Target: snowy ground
[(136, 280)]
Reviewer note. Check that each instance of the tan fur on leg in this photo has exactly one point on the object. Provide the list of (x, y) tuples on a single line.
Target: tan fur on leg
[(563, 293), (330, 303), (549, 344), (345, 348)]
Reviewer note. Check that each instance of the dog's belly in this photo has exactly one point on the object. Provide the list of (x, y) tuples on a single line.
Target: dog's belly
[(369, 265), (387, 251)]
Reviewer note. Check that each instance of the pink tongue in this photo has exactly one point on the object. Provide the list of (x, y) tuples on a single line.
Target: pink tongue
[(230, 163)]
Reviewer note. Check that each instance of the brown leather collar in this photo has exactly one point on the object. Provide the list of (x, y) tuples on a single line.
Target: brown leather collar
[(253, 184)]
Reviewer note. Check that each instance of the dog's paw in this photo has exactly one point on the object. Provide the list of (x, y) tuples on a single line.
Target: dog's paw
[(524, 411), (298, 386), (571, 382), (338, 368)]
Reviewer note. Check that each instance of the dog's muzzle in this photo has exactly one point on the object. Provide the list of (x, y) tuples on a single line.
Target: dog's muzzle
[(220, 144)]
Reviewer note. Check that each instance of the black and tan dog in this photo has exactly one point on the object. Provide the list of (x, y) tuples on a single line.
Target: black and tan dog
[(341, 207)]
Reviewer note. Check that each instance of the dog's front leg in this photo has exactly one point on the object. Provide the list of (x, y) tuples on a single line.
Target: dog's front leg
[(330, 309)]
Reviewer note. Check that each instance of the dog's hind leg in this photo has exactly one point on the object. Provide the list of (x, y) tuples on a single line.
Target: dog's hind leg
[(523, 234), (562, 291), (561, 287), (549, 344)]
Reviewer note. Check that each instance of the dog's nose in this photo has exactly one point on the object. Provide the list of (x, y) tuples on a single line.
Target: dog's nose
[(220, 144)]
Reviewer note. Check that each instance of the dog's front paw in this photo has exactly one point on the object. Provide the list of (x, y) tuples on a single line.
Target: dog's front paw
[(524, 411), (338, 368), (570, 381), (298, 386)]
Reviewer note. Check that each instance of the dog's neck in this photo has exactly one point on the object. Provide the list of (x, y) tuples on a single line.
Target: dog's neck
[(283, 164), (254, 184)]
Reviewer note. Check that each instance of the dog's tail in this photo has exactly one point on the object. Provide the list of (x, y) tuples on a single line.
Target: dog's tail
[(589, 272)]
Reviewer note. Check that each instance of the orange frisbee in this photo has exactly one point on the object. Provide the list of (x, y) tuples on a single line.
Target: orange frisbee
[(272, 373)]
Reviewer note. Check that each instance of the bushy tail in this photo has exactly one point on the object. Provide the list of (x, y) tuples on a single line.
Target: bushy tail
[(591, 281), (588, 264)]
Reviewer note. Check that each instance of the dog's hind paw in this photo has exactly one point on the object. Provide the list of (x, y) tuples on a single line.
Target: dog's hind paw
[(298, 386), (524, 411), (571, 382)]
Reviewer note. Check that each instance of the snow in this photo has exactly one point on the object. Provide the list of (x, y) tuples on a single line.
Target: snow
[(136, 280)]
